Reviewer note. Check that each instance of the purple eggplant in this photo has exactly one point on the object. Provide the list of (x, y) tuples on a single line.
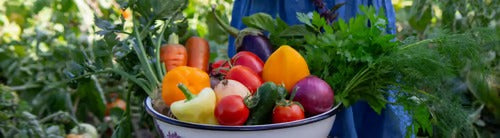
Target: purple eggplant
[(248, 39), (257, 44)]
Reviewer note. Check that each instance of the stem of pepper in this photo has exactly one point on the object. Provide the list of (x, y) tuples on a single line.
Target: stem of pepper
[(186, 92)]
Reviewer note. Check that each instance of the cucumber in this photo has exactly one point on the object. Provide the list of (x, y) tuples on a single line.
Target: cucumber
[(262, 103)]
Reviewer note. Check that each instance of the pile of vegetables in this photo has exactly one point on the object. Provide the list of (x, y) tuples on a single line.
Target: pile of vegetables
[(359, 60), (363, 63), (244, 89), (356, 58)]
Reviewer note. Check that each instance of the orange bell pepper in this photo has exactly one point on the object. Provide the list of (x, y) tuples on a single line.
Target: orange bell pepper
[(285, 66), (193, 78)]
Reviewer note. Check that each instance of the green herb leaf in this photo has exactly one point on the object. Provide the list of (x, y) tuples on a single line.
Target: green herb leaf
[(304, 18), (260, 21), (295, 30), (317, 21)]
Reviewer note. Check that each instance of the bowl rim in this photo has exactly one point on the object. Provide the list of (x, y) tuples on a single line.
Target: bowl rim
[(158, 116)]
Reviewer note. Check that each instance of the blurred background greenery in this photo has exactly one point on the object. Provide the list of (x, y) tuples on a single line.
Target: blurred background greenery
[(46, 45)]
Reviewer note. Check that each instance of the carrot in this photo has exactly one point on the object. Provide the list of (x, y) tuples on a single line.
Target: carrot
[(198, 53), (173, 54)]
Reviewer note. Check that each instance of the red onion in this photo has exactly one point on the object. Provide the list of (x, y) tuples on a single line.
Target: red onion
[(315, 95)]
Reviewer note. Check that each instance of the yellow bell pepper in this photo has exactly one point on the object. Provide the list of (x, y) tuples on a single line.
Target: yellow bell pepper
[(285, 66), (195, 80), (195, 109)]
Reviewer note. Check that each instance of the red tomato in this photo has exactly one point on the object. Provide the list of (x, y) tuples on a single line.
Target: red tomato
[(231, 110), (250, 60), (245, 76), (220, 67), (287, 113), (218, 63)]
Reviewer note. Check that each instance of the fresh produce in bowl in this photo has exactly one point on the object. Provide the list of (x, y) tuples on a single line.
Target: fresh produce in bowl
[(173, 54), (240, 99), (315, 95), (248, 59), (195, 108), (262, 104), (248, 39), (230, 87), (285, 66), (218, 71), (195, 80), (231, 110), (288, 110), (245, 76), (219, 67), (314, 126), (198, 53)]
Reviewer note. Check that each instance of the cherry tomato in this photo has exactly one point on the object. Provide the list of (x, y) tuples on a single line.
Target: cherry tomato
[(220, 67), (231, 110), (250, 60), (287, 113), (218, 63), (245, 76)]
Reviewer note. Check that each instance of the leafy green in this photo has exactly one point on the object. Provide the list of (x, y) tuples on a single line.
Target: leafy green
[(156, 9), (352, 50), (17, 121), (95, 102), (363, 63), (260, 21), (280, 33)]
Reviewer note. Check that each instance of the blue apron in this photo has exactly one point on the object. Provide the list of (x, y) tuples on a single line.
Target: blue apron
[(359, 120)]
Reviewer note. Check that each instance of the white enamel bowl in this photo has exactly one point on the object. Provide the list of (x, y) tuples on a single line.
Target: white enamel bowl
[(317, 126)]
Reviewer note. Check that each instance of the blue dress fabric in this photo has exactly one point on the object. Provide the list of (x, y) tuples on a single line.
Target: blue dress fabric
[(359, 120)]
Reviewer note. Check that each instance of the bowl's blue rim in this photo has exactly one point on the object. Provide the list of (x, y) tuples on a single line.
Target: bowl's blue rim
[(172, 121)]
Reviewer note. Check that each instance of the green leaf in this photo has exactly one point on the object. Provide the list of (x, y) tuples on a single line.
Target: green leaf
[(281, 25), (328, 29), (123, 129), (421, 16), (317, 20), (157, 9), (376, 102), (91, 101), (302, 17), (295, 30), (216, 32), (40, 4), (73, 69), (422, 117), (67, 5), (260, 21), (342, 25)]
